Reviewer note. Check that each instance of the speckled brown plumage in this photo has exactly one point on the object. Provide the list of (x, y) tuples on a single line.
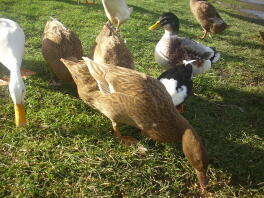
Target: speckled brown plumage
[(133, 98), (59, 42), (208, 17), (109, 47)]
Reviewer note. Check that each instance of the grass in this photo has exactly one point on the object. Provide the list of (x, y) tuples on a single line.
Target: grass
[(68, 150)]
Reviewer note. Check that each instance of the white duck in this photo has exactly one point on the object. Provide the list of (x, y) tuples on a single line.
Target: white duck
[(12, 41), (117, 11)]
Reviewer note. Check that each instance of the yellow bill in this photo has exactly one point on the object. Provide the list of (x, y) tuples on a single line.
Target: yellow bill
[(155, 26), (20, 115)]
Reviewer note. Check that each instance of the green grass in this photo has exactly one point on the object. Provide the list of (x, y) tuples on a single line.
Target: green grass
[(68, 150)]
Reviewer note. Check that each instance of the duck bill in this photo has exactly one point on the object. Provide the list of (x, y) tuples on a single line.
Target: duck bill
[(20, 115), (155, 26)]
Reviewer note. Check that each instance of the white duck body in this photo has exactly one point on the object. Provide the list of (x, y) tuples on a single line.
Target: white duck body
[(172, 50), (12, 41), (117, 11)]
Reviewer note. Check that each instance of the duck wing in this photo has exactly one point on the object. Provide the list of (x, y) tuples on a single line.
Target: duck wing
[(194, 48)]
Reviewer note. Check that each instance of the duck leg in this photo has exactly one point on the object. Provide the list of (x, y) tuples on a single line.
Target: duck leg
[(123, 139), (205, 34), (196, 154)]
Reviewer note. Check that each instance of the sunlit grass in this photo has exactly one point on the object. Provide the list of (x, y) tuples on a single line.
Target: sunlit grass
[(68, 150)]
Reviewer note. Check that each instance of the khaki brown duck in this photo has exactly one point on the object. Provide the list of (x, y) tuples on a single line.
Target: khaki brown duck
[(117, 11), (59, 42), (208, 17), (111, 49), (172, 49), (129, 97)]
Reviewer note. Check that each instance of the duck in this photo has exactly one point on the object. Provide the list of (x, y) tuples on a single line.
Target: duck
[(208, 17), (12, 44), (110, 48), (178, 82), (133, 98), (172, 50), (59, 42), (117, 11)]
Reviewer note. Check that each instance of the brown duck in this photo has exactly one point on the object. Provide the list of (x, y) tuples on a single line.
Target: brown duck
[(129, 97), (110, 48), (208, 17), (59, 42)]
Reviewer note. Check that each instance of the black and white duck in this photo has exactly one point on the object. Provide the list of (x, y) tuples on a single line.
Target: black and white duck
[(178, 83)]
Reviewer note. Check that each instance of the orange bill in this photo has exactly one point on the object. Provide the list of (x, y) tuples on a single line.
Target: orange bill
[(26, 72), (4, 81), (20, 115)]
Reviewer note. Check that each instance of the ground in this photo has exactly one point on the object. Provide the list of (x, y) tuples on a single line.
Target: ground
[(68, 149)]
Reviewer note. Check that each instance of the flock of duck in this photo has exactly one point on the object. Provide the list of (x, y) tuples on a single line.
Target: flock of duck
[(108, 82)]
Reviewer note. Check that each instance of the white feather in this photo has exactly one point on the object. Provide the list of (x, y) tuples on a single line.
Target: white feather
[(177, 96), (117, 11), (12, 41), (203, 68)]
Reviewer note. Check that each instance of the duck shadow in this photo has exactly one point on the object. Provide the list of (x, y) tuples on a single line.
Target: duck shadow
[(42, 72), (243, 17), (232, 131)]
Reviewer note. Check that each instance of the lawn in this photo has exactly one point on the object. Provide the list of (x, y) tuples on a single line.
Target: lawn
[(68, 149)]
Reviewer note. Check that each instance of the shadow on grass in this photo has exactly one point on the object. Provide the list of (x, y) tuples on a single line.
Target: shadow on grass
[(245, 18), (231, 130)]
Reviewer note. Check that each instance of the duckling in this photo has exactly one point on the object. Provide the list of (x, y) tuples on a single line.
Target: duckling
[(172, 49), (12, 42), (129, 97), (178, 82), (59, 42), (111, 49), (117, 11), (208, 17)]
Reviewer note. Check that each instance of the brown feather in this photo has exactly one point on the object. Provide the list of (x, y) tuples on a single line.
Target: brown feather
[(143, 102), (60, 42), (208, 17), (111, 49)]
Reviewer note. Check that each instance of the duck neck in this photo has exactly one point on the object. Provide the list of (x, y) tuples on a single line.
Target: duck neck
[(15, 75), (170, 33)]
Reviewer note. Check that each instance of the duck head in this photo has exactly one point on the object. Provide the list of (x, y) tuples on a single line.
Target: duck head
[(17, 93), (168, 21)]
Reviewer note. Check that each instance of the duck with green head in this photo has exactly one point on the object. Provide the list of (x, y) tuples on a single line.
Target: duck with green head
[(172, 50)]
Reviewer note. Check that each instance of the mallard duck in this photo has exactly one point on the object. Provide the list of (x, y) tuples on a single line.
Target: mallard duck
[(172, 49), (117, 11), (59, 42), (12, 41), (111, 49), (261, 36), (129, 97), (208, 17), (178, 83)]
